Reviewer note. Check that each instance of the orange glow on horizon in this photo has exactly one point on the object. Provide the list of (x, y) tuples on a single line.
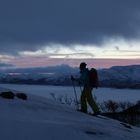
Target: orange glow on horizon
[(98, 63)]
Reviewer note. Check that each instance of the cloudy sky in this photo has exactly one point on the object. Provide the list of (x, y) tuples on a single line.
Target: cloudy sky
[(102, 33)]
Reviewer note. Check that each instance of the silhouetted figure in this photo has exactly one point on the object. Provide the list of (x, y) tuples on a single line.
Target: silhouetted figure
[(86, 94)]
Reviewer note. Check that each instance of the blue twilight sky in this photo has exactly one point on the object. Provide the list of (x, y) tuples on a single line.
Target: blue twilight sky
[(52, 32)]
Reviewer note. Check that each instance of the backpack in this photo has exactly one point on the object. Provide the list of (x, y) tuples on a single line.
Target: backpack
[(93, 77)]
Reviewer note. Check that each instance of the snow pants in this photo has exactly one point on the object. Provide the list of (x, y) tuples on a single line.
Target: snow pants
[(86, 97)]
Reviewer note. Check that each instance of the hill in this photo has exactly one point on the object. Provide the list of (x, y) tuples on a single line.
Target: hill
[(41, 118)]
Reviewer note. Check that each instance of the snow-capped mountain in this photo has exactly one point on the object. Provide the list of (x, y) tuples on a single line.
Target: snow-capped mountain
[(121, 72), (117, 76), (120, 76)]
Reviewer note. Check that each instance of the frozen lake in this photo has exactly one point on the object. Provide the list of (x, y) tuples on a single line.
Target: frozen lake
[(102, 94)]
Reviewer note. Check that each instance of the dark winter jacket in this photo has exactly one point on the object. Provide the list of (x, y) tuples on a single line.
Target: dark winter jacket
[(84, 77)]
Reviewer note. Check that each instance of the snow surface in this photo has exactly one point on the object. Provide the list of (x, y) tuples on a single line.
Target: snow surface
[(40, 118)]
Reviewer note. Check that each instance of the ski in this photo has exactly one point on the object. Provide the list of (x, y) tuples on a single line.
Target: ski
[(94, 115), (98, 116)]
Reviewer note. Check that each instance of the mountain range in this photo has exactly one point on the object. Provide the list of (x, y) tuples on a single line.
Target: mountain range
[(116, 76)]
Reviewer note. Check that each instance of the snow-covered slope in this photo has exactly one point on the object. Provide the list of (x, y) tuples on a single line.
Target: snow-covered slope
[(43, 119), (121, 72), (120, 76)]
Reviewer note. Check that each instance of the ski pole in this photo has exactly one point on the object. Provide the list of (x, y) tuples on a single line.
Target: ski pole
[(75, 93)]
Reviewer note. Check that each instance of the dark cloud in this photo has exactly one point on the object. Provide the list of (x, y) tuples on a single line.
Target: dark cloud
[(29, 23)]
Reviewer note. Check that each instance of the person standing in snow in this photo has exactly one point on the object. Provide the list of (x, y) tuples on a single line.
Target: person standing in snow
[(86, 94)]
